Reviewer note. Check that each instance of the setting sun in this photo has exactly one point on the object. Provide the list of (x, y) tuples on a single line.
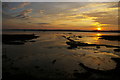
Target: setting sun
[(99, 29)]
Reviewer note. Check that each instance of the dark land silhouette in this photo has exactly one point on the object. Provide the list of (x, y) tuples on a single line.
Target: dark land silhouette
[(115, 31), (17, 39)]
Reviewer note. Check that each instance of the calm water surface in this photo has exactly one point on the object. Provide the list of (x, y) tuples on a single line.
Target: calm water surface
[(50, 57)]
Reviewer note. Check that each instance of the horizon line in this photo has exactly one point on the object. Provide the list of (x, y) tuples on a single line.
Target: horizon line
[(61, 30)]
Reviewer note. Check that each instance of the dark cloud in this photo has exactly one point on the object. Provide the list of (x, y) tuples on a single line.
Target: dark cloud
[(80, 17), (96, 14), (6, 15), (57, 7), (63, 24), (24, 14), (115, 5), (5, 5), (22, 5), (107, 20), (43, 23), (29, 22), (21, 15), (104, 17)]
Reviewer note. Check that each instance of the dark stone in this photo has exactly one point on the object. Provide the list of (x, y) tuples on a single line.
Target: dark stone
[(98, 47), (79, 36), (14, 68), (117, 50), (37, 67), (53, 62)]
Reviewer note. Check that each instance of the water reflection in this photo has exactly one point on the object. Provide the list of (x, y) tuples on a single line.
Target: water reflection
[(98, 34), (93, 39), (50, 57)]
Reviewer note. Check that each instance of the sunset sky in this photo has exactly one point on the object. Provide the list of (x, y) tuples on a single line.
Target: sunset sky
[(60, 15)]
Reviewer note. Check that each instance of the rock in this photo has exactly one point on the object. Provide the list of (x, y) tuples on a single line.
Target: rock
[(98, 47), (37, 67), (15, 68), (117, 50), (79, 36), (53, 62), (32, 41), (81, 75), (4, 56)]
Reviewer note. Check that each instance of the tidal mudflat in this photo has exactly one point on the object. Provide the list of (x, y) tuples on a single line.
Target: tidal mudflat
[(60, 56)]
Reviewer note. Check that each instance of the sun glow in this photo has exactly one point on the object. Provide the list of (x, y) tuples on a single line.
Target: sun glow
[(99, 29), (98, 34)]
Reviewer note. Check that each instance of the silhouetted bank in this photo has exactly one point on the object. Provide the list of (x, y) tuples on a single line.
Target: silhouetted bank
[(114, 31), (110, 37), (17, 39)]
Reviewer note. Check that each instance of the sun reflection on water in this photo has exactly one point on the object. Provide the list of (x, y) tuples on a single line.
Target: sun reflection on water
[(96, 38), (92, 40), (99, 34)]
